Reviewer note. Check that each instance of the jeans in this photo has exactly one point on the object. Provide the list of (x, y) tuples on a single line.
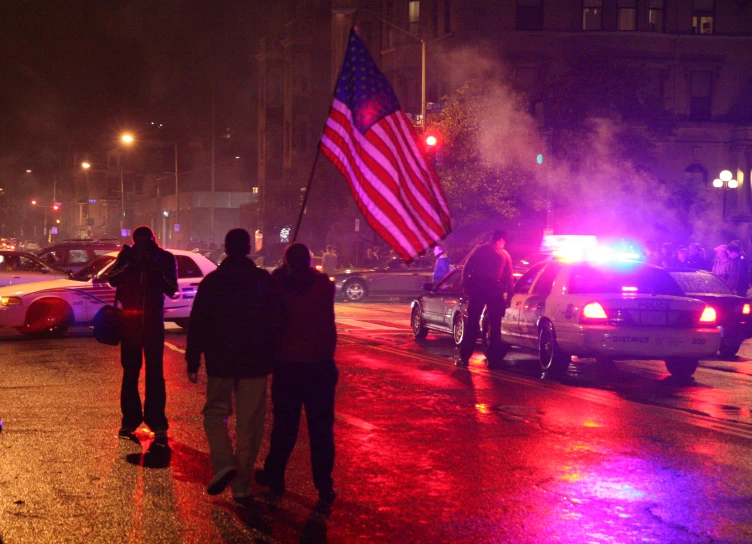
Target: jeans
[(250, 408), (296, 386), (475, 305), (133, 353)]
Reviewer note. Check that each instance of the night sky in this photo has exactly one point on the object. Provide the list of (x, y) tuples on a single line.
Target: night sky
[(75, 73)]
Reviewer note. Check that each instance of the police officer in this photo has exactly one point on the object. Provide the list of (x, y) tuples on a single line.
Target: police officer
[(486, 278)]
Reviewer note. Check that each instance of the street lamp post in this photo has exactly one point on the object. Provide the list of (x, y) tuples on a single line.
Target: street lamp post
[(725, 181)]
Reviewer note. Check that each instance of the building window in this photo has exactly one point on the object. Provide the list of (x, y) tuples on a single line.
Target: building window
[(254, 190), (702, 16), (413, 16), (529, 15), (656, 16), (699, 95), (696, 173), (626, 15), (592, 14), (447, 16)]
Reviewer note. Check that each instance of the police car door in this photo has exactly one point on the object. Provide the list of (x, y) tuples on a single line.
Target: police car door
[(510, 325), (534, 304), (179, 305)]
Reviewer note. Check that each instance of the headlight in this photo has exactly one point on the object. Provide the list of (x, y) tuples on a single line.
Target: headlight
[(10, 301)]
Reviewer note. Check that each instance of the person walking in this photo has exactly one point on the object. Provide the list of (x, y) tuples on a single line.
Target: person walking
[(721, 263), (486, 278), (328, 261), (442, 266), (142, 275), (235, 322), (304, 375)]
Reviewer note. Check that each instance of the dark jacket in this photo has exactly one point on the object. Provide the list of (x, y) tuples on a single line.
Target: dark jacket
[(442, 267), (235, 321), (310, 334), (142, 275), (486, 273)]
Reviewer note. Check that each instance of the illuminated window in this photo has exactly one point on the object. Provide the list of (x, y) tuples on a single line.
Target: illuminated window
[(413, 16), (656, 16), (626, 14), (254, 190), (703, 12), (592, 14), (529, 15), (700, 94)]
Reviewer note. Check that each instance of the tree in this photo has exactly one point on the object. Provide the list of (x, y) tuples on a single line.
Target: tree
[(487, 145)]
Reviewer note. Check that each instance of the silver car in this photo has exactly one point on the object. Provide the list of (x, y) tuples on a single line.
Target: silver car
[(394, 278), (18, 267)]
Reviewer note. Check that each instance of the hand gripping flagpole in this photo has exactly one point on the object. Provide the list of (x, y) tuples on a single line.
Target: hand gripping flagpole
[(305, 196)]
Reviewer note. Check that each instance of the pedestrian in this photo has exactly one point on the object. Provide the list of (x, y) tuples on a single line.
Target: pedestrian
[(304, 375), (142, 275), (721, 263), (378, 259), (328, 261), (697, 256), (486, 279), (337, 259), (368, 261), (442, 266), (235, 323), (682, 257), (651, 253), (668, 255), (738, 271)]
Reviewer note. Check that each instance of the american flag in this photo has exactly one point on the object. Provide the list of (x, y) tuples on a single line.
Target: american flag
[(372, 142)]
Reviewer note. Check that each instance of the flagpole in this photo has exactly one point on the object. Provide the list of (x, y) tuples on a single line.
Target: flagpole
[(305, 197)]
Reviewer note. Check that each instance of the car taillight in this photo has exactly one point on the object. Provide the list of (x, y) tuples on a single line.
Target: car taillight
[(594, 311), (708, 315), (745, 309)]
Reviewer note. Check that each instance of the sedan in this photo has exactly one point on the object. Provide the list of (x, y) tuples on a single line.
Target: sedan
[(49, 308), (18, 267), (607, 311), (732, 310), (394, 278), (441, 308)]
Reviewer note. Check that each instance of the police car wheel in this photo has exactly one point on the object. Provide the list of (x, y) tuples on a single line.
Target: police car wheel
[(419, 331), (355, 291), (458, 330), (681, 367), (552, 360), (47, 318)]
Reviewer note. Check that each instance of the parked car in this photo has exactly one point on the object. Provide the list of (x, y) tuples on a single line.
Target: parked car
[(74, 254), (441, 308), (394, 278), (732, 311), (18, 267), (607, 311), (49, 308), (7, 244)]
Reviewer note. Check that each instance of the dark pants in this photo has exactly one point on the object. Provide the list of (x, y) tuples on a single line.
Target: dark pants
[(294, 386), (147, 346), (495, 311)]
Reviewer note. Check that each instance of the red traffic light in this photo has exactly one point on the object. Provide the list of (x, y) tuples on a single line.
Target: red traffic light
[(55, 207), (431, 140)]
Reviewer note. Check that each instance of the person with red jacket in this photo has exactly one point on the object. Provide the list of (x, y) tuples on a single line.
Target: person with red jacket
[(304, 374)]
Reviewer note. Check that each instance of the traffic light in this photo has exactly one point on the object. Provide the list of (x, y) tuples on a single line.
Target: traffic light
[(431, 142), (56, 206)]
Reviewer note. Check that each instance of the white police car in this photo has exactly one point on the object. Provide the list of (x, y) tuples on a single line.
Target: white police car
[(49, 308), (606, 307)]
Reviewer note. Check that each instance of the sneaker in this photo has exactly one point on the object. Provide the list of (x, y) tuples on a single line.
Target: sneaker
[(160, 438), (221, 480), (126, 432)]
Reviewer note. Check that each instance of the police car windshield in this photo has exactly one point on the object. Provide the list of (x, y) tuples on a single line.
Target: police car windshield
[(701, 283), (637, 279), (93, 268)]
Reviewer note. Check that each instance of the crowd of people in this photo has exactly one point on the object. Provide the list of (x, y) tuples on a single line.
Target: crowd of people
[(728, 261)]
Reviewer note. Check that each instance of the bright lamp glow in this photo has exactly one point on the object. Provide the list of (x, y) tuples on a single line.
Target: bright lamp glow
[(594, 311), (717, 183), (431, 140), (127, 138), (733, 184), (85, 165), (726, 175), (708, 315), (746, 309)]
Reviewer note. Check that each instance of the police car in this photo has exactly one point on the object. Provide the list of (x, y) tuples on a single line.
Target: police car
[(607, 306), (49, 308)]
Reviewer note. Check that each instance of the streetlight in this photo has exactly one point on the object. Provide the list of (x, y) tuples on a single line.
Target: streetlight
[(725, 181)]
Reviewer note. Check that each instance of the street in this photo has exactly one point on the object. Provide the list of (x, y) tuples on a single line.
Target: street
[(426, 452)]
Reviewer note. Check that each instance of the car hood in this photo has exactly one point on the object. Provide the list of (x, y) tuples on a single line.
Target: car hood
[(348, 271), (28, 288)]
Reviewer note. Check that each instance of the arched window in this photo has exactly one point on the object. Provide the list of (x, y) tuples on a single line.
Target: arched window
[(696, 173)]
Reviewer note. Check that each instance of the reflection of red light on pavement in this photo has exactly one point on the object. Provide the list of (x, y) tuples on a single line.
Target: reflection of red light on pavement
[(591, 423)]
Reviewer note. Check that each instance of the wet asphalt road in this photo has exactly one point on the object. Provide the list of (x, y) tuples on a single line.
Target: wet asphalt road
[(425, 452)]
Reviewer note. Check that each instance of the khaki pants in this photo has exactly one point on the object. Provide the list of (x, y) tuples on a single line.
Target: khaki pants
[(250, 409)]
